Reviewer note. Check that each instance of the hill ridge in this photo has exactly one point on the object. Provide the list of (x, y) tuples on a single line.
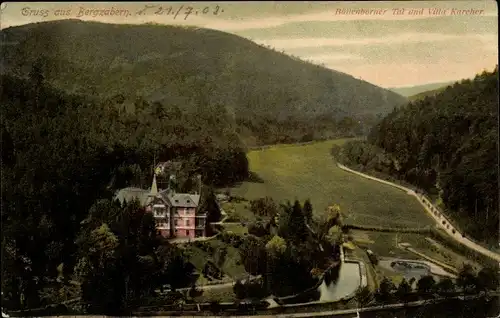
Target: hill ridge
[(196, 70)]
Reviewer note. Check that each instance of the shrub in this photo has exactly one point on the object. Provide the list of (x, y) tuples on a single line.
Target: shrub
[(231, 238), (254, 290), (233, 218), (263, 206), (258, 229)]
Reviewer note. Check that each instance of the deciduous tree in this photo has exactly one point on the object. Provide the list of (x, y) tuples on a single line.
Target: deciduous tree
[(426, 284), (404, 289)]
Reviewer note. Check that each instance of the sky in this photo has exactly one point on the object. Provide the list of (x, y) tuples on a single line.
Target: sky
[(387, 43)]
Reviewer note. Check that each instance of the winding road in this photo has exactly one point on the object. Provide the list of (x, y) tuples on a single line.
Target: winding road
[(441, 220)]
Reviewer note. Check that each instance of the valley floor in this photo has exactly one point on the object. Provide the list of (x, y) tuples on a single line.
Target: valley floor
[(309, 172)]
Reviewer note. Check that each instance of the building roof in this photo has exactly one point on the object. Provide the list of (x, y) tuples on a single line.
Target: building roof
[(183, 200), (129, 194)]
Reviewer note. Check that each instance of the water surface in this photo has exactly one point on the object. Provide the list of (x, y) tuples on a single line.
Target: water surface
[(348, 281)]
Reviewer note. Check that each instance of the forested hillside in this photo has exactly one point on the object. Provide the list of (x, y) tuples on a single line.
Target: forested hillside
[(193, 73), (61, 153), (409, 91), (447, 145), (429, 93)]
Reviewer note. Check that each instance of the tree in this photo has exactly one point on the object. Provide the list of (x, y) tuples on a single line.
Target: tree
[(307, 210), (135, 255), (275, 249), (297, 230), (276, 246), (332, 217), (258, 229), (173, 269), (253, 255), (283, 220), (445, 286), (384, 292), (263, 206), (220, 256), (487, 279), (335, 236), (466, 279), (404, 289), (209, 205), (426, 284), (239, 290), (363, 296), (102, 286)]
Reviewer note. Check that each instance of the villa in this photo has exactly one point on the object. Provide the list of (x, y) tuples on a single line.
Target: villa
[(176, 214)]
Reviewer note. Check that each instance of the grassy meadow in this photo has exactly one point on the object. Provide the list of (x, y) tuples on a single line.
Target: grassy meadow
[(308, 171), (385, 244)]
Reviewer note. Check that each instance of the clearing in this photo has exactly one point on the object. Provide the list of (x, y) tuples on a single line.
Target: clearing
[(303, 172)]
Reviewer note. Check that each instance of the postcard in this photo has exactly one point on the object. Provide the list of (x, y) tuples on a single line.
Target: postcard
[(250, 158)]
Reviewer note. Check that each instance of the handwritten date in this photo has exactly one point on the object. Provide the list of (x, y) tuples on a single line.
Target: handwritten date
[(181, 11)]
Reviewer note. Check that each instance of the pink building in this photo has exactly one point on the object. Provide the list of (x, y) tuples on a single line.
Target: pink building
[(175, 214)]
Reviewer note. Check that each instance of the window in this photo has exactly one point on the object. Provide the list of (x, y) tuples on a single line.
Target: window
[(187, 232), (159, 210), (187, 222), (175, 222)]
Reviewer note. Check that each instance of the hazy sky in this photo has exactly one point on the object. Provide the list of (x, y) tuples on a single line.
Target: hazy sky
[(388, 49)]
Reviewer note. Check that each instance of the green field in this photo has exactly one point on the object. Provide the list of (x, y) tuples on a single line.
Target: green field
[(238, 212), (308, 172), (385, 244)]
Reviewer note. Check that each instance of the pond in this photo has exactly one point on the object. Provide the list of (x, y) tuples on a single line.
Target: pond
[(348, 281), (407, 269)]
